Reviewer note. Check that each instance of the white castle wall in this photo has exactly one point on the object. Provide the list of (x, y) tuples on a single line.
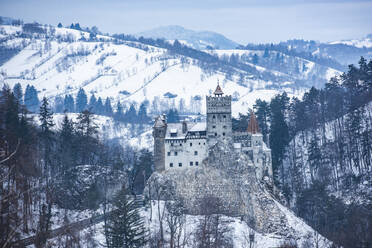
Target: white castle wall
[(187, 152)]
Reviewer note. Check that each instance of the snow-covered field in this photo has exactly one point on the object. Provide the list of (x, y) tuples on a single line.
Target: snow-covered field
[(131, 72)]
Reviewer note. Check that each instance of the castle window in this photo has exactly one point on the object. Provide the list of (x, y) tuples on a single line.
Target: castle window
[(170, 164), (172, 144), (190, 144), (196, 163), (196, 153), (179, 164), (169, 153), (180, 144), (214, 126), (215, 134), (224, 116), (214, 117), (175, 153), (223, 134), (224, 126), (199, 143), (191, 163)]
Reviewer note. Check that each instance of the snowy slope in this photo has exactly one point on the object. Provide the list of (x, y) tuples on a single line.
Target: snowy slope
[(134, 72), (196, 39), (360, 43)]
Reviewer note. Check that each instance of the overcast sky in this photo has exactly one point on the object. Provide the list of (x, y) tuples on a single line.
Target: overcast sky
[(240, 20)]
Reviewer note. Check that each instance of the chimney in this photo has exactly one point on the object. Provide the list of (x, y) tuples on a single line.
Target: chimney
[(184, 127)]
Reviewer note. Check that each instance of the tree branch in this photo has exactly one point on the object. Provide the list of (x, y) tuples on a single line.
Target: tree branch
[(11, 155)]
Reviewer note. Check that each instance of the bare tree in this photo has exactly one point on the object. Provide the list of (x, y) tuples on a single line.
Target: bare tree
[(213, 228), (175, 220)]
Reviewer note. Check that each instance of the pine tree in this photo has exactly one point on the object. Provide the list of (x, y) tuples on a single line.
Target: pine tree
[(92, 104), (131, 115), (99, 106), (46, 117), (125, 227), (59, 25), (255, 59), (58, 104), (69, 104), (262, 113), (66, 145), (142, 113), (172, 116), (31, 99), (279, 134), (81, 101), (119, 116), (86, 125), (87, 131), (46, 133), (108, 107), (18, 93)]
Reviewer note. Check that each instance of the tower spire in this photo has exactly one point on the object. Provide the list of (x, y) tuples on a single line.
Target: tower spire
[(218, 91), (253, 124)]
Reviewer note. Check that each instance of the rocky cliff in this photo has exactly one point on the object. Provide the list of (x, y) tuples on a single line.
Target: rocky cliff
[(226, 175)]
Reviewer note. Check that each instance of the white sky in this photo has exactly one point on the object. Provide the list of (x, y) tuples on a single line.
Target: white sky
[(240, 20)]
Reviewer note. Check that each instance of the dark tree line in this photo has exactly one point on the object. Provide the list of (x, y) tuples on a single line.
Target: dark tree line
[(42, 167), (322, 144), (81, 103)]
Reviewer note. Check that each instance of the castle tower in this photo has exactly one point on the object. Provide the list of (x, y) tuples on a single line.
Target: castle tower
[(218, 117), (159, 131), (253, 124)]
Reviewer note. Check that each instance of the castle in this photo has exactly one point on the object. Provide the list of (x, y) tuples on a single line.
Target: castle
[(185, 145)]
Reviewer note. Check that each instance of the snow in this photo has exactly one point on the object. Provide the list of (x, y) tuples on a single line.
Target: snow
[(108, 129), (107, 69), (366, 42), (239, 229)]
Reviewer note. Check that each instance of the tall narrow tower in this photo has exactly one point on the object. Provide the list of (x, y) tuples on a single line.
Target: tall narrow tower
[(159, 131), (219, 125)]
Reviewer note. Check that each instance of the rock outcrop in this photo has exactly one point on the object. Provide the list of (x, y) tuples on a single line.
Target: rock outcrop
[(225, 175)]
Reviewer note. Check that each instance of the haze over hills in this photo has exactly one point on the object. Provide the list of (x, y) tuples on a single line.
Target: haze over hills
[(195, 39)]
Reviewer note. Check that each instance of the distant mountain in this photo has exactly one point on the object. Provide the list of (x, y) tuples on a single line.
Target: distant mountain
[(195, 39), (360, 43)]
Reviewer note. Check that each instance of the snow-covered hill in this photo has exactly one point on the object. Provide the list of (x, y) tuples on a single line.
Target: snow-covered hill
[(195, 39), (60, 61), (360, 43)]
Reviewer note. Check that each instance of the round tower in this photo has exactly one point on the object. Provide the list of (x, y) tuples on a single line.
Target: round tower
[(159, 131)]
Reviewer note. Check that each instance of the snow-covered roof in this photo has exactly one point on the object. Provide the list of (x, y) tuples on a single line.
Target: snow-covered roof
[(198, 126), (159, 122), (176, 128)]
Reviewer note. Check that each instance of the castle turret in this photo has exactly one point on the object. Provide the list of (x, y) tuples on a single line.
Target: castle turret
[(159, 131), (218, 117)]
